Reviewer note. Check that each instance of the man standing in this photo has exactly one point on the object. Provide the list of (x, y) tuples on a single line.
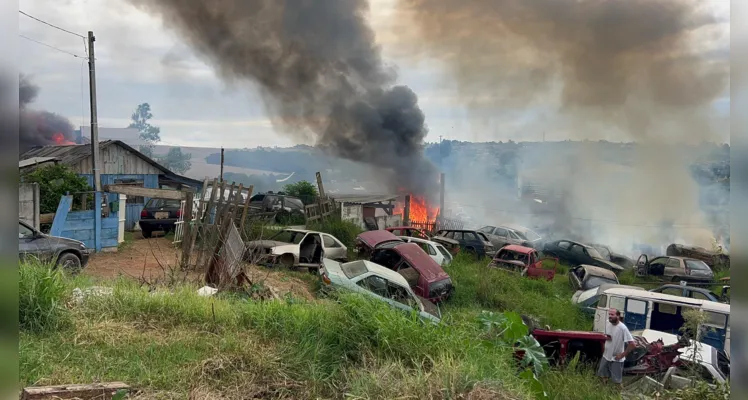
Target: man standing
[(619, 344)]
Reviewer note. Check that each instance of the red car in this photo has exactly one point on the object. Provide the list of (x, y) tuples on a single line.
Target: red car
[(424, 275), (367, 242), (408, 231), (522, 259)]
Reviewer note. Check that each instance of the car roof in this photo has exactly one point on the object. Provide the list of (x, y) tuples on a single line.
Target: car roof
[(392, 228), (518, 249), (605, 273), (519, 228), (606, 286), (386, 273), (421, 261), (713, 305), (372, 238), (692, 288), (419, 240)]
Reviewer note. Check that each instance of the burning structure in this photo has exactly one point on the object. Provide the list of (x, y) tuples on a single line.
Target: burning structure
[(39, 128)]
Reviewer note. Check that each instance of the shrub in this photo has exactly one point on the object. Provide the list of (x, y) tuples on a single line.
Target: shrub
[(345, 231), (54, 182), (41, 298)]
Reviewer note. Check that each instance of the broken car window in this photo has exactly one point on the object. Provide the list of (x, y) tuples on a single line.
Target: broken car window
[(374, 284), (697, 265), (564, 245), (329, 241)]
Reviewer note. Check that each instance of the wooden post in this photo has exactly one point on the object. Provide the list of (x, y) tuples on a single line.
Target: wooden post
[(187, 230), (406, 211), (319, 186), (220, 201), (322, 198), (246, 209), (226, 205), (227, 221)]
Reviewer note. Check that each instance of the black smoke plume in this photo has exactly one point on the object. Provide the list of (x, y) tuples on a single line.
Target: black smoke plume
[(39, 128), (319, 70)]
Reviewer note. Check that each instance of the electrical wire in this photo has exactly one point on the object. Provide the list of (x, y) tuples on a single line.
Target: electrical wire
[(52, 25), (53, 47)]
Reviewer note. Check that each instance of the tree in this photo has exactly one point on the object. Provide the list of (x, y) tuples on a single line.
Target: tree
[(175, 160), (148, 133), (55, 181), (304, 190)]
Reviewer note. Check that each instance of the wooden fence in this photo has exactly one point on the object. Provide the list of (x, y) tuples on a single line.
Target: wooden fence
[(437, 225)]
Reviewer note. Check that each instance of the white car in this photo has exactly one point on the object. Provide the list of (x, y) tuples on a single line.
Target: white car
[(296, 248), (435, 250)]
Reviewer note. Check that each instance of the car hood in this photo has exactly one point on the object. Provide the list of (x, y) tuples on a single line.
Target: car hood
[(610, 265), (513, 262), (66, 241)]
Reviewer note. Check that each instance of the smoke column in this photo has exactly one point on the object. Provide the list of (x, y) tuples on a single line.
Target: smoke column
[(319, 71), (647, 70), (39, 128)]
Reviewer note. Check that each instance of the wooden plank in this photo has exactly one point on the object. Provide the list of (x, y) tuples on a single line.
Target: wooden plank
[(146, 192), (246, 209), (109, 223), (98, 391), (206, 216), (219, 203), (226, 205), (73, 225), (187, 231), (46, 218), (58, 224), (82, 235), (75, 215)]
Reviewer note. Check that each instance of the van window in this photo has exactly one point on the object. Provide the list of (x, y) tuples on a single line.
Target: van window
[(602, 301), (618, 303), (716, 320), (636, 306), (666, 308)]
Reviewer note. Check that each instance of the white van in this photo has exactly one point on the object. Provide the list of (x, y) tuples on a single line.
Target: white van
[(663, 312)]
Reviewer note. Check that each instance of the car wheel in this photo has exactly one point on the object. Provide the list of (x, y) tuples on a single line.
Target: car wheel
[(675, 279), (69, 262), (287, 260), (146, 233)]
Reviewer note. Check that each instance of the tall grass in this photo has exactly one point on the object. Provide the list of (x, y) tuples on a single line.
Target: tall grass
[(345, 231), (42, 293)]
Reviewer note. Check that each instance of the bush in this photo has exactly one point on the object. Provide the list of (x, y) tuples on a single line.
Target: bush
[(42, 293), (345, 231), (54, 182)]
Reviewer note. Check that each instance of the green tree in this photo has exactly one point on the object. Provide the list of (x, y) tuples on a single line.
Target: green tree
[(148, 133), (304, 190), (55, 181), (175, 160)]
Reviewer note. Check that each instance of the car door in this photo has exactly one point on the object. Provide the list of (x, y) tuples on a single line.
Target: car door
[(333, 248), (578, 255), (673, 268), (499, 238), (489, 232), (574, 280), (28, 245), (513, 238), (561, 250), (657, 265), (636, 314)]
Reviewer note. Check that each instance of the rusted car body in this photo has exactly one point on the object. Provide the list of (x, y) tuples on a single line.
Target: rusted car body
[(675, 269), (560, 346), (369, 241), (713, 259), (524, 260), (424, 275), (450, 244)]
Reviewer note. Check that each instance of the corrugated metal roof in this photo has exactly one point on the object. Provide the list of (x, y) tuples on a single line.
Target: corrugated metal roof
[(36, 160), (357, 198)]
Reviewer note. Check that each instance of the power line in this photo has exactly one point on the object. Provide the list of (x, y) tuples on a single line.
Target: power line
[(53, 47), (53, 26)]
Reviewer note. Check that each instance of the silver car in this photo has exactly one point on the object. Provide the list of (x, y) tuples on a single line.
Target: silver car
[(296, 248), (503, 235)]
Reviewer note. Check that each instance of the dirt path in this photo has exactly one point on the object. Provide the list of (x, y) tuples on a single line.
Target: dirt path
[(154, 259)]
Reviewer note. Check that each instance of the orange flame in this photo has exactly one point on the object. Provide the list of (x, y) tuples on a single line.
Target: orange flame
[(420, 210), (59, 139)]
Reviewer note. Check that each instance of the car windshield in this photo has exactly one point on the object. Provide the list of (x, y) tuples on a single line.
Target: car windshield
[(697, 264), (603, 251), (530, 235), (587, 294), (596, 281), (594, 253), (287, 236)]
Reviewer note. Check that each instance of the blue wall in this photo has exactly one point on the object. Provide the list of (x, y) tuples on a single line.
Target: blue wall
[(132, 210)]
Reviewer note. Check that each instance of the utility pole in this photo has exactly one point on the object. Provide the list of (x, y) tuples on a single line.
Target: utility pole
[(94, 118), (221, 163)]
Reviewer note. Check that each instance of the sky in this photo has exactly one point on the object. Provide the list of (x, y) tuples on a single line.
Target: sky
[(139, 60)]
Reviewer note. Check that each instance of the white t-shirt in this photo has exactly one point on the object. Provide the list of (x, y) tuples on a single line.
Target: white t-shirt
[(619, 336)]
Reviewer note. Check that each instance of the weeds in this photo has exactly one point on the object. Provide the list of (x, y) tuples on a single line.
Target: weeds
[(345, 231), (42, 294)]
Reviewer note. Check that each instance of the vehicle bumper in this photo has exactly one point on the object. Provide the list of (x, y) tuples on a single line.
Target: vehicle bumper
[(85, 255), (157, 224)]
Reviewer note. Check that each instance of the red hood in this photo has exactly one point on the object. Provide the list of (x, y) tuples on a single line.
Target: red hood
[(429, 269)]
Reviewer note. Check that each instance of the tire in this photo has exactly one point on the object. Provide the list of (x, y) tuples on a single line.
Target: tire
[(675, 279), (287, 260), (69, 262), (146, 233)]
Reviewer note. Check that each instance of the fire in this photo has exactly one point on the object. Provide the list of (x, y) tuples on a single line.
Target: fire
[(59, 139), (420, 211)]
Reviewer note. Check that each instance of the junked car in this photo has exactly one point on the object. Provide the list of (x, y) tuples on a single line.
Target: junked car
[(675, 269), (615, 258), (369, 241), (435, 250), (693, 292), (714, 259), (473, 242), (296, 248), (453, 246), (503, 235), (524, 260), (408, 231), (374, 280), (586, 277), (71, 255), (587, 299), (423, 274), (576, 253)]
